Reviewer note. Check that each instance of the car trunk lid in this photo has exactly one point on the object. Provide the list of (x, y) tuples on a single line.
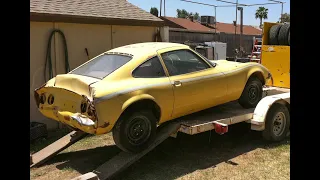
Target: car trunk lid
[(76, 83)]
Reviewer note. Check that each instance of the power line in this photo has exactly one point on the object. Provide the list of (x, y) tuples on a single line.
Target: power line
[(235, 4), (199, 3)]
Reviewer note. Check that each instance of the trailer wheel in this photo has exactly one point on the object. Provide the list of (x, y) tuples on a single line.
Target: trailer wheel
[(251, 94), (134, 131), (273, 34), (277, 123), (283, 36)]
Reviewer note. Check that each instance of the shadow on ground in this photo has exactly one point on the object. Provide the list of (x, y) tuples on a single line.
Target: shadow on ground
[(175, 157)]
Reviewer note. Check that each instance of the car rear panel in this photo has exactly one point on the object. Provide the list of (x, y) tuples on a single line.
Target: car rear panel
[(64, 106)]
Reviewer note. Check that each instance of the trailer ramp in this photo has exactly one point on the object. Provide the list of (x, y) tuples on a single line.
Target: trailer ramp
[(124, 159), (51, 150)]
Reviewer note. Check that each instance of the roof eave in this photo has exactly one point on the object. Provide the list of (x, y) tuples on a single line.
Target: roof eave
[(46, 17)]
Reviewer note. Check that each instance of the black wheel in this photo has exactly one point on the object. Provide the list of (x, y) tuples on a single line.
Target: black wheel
[(277, 124), (134, 131), (252, 93), (283, 35), (273, 34)]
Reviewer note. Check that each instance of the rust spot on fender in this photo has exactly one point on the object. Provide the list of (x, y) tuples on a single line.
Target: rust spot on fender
[(67, 118), (106, 124)]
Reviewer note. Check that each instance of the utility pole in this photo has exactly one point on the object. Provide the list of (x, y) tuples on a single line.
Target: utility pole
[(160, 7), (241, 25), (235, 24), (215, 22), (281, 12), (164, 8)]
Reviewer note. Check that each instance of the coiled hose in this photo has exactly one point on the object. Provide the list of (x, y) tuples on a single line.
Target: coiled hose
[(48, 61)]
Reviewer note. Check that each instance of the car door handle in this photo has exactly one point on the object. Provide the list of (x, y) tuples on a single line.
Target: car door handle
[(177, 83)]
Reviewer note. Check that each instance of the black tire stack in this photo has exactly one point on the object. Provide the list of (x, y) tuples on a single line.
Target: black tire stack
[(279, 34)]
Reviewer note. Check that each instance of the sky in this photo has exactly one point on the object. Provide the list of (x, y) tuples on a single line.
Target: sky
[(224, 14)]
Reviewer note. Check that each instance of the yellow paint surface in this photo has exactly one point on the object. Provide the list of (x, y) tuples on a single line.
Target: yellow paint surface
[(116, 92)]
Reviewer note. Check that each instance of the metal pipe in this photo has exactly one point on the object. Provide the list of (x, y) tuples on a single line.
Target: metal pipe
[(281, 17), (235, 27), (164, 8), (160, 7), (215, 23), (241, 25)]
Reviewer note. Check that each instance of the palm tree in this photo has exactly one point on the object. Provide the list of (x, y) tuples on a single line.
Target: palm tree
[(261, 13)]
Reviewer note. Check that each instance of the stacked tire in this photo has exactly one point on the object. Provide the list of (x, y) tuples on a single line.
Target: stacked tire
[(279, 34)]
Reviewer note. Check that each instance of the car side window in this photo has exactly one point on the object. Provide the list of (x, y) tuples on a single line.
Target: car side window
[(183, 62), (152, 68)]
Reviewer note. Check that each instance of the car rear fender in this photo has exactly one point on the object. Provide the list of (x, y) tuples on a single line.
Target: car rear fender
[(136, 98)]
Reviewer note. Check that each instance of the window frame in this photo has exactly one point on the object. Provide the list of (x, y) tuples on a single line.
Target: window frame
[(191, 51), (148, 59)]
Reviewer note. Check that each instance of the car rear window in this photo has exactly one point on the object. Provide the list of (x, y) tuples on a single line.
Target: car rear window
[(102, 66)]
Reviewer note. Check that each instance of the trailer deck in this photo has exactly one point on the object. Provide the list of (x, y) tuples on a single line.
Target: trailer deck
[(206, 120)]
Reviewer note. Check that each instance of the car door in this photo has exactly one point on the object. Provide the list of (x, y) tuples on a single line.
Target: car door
[(197, 84), (152, 77)]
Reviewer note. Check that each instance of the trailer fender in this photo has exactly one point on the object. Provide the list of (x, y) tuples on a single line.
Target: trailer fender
[(262, 109)]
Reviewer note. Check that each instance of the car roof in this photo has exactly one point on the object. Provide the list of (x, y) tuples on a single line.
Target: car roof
[(147, 48)]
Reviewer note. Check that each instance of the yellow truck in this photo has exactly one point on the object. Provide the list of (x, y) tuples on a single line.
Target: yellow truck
[(271, 116)]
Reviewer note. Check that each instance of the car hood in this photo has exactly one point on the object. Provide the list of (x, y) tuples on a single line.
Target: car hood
[(227, 64)]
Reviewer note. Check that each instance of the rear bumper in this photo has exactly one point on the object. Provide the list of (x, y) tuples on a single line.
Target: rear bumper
[(74, 120), (65, 106)]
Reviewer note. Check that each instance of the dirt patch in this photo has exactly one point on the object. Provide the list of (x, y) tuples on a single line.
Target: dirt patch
[(239, 154)]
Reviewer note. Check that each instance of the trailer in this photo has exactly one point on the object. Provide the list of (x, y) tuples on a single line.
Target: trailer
[(271, 116)]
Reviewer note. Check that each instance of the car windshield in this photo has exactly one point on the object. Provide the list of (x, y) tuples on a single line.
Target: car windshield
[(102, 66), (209, 61)]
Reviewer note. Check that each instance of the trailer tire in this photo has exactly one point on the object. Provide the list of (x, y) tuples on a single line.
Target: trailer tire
[(278, 113), (273, 34), (135, 130), (251, 94), (283, 37)]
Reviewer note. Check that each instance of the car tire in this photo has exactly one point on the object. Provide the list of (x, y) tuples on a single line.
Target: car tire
[(277, 125), (135, 131), (284, 34), (252, 93), (273, 34)]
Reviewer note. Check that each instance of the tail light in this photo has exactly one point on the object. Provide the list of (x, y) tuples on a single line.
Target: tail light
[(220, 128), (50, 99), (42, 99), (83, 107)]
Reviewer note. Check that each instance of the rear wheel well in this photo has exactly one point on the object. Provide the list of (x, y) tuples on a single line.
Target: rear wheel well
[(145, 104), (259, 76)]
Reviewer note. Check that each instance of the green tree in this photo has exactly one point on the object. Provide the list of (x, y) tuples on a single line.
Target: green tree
[(261, 13), (284, 18), (182, 13), (196, 16), (154, 11), (185, 14)]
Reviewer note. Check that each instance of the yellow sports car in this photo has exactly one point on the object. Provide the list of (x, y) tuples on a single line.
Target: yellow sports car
[(131, 89)]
